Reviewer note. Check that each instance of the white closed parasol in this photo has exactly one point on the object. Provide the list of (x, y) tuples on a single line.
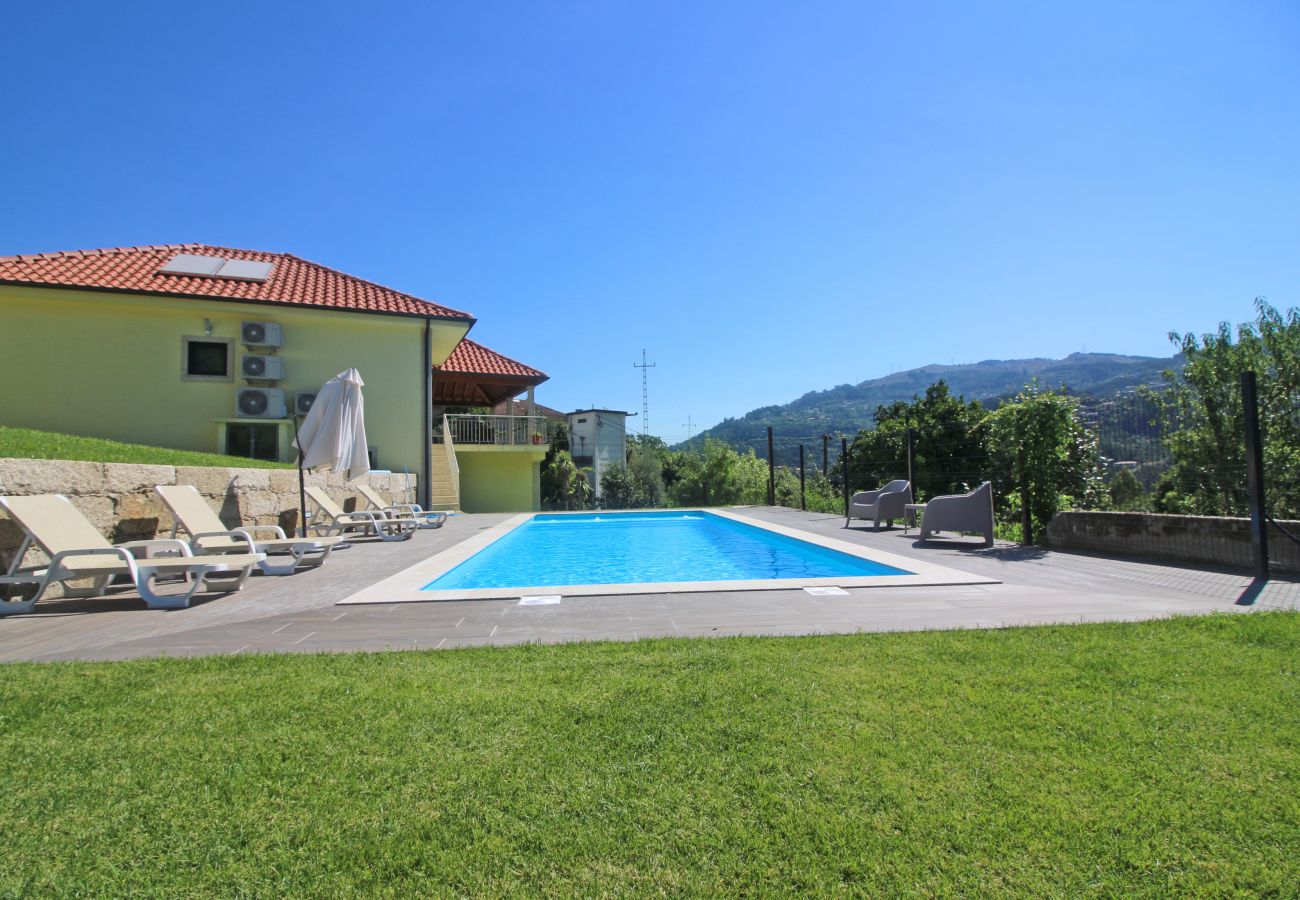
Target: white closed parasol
[(334, 433)]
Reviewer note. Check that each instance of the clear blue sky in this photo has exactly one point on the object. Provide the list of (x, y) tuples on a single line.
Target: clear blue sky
[(771, 198)]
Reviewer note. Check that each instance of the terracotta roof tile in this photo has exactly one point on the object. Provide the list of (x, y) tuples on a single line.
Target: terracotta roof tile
[(475, 359), (292, 281)]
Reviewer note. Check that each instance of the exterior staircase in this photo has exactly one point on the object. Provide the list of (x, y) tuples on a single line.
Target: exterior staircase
[(444, 486)]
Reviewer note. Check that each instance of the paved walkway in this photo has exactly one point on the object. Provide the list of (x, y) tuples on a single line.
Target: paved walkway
[(299, 613)]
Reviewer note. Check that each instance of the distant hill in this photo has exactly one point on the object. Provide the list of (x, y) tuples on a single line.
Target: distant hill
[(849, 408)]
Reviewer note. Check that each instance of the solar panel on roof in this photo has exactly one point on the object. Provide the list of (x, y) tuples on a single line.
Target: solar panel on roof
[(217, 267), (245, 270), (193, 264)]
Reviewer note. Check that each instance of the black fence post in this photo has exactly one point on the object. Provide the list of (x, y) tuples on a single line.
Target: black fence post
[(826, 442), (844, 463), (803, 503), (1026, 520), (911, 458), (1255, 475), (771, 470)]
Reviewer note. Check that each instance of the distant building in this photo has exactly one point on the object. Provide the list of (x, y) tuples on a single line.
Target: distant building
[(598, 440), (519, 407)]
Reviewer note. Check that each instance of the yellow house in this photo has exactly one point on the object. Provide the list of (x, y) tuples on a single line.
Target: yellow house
[(208, 348)]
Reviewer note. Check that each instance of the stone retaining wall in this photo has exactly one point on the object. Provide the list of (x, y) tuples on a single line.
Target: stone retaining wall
[(1213, 540), (119, 499)]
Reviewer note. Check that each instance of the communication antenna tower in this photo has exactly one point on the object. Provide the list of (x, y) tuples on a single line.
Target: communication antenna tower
[(645, 392)]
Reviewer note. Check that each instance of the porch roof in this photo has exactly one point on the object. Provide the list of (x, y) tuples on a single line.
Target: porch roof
[(475, 375)]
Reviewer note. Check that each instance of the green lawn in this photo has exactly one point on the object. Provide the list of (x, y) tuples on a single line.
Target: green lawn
[(1149, 759), (27, 443)]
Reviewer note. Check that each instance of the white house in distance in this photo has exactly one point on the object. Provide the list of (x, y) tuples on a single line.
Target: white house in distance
[(598, 440)]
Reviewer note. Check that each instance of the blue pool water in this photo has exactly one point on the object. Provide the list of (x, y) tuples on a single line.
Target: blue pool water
[(634, 548)]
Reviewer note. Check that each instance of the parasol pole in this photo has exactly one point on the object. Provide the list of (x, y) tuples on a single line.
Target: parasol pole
[(302, 483)]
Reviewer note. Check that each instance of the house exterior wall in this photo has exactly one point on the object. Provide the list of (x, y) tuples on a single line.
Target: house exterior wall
[(603, 437), (500, 479), (109, 365)]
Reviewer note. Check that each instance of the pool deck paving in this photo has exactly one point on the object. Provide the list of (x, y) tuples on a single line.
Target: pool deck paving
[(304, 612)]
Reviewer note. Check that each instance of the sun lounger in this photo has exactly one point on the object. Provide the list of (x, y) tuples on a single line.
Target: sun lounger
[(971, 512), (331, 519), (78, 551), (192, 515), (887, 503), (376, 502)]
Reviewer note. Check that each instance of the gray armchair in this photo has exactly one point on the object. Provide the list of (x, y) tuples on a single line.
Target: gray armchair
[(886, 503), (971, 512)]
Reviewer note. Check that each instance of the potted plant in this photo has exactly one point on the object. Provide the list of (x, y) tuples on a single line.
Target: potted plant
[(537, 437)]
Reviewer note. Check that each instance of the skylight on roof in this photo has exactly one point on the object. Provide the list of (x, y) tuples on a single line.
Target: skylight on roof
[(197, 265)]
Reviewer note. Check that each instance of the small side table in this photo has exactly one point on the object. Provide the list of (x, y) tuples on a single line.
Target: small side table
[(911, 514)]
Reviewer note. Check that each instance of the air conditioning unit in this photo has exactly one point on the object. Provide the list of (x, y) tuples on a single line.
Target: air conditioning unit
[(302, 402), (259, 403), (266, 368), (260, 334)]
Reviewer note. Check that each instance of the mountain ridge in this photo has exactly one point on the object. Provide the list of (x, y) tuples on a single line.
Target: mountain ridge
[(847, 408)]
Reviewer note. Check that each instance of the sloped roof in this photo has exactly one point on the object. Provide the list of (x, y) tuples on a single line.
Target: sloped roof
[(293, 281), (545, 412), (472, 358)]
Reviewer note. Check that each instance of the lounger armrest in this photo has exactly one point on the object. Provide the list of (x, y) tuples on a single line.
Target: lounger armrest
[(182, 548), (358, 517), (56, 561), (944, 502), (196, 542), (252, 530), (405, 509)]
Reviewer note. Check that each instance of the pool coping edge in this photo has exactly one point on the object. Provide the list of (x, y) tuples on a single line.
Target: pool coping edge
[(407, 586)]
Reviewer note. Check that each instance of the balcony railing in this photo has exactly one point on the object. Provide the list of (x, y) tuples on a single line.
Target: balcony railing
[(508, 431)]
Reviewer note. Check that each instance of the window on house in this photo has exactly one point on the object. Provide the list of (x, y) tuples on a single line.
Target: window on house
[(254, 441), (207, 359)]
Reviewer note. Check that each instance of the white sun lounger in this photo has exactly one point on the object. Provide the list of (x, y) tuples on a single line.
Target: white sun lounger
[(207, 534), (367, 523), (78, 551), (375, 502)]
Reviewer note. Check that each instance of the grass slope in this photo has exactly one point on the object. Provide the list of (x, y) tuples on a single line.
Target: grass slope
[(27, 443), (1136, 759)]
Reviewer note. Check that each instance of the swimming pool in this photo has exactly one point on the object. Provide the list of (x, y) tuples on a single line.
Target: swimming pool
[(647, 548)]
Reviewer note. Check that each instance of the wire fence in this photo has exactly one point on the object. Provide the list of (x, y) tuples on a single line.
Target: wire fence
[(1184, 487)]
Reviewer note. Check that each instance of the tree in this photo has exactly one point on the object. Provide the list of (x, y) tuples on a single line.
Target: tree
[(1202, 413), (618, 488), (1047, 453), (1126, 492), (564, 486), (949, 449), (554, 475), (645, 455), (716, 475)]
